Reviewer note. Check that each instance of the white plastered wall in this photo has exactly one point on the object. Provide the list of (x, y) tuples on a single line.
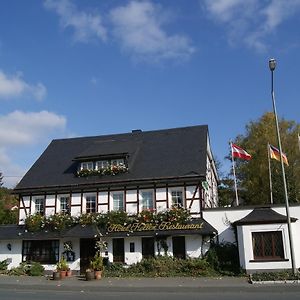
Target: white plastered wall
[(14, 255), (193, 244)]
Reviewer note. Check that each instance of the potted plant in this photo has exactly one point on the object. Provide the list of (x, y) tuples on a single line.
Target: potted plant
[(56, 275), (69, 272), (97, 265), (62, 266), (89, 274)]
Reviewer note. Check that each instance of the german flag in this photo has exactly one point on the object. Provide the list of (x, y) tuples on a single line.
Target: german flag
[(275, 154)]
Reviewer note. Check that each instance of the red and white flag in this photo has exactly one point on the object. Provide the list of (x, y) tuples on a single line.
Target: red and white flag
[(239, 152)]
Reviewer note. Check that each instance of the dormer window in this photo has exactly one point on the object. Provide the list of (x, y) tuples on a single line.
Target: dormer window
[(107, 166), (117, 162), (87, 165), (101, 164)]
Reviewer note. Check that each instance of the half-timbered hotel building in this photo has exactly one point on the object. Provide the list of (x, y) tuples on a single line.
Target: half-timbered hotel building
[(132, 172), (159, 172)]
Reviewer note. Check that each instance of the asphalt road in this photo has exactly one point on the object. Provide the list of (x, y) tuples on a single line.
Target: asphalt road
[(257, 293), (76, 288)]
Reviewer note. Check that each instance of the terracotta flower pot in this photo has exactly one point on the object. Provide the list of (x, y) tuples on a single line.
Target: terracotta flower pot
[(63, 274), (98, 275), (69, 273)]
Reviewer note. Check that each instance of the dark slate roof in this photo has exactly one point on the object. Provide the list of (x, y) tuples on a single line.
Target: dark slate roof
[(170, 153), (18, 232), (78, 231), (263, 215)]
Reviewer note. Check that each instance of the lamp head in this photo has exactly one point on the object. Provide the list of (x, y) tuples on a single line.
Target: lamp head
[(272, 64)]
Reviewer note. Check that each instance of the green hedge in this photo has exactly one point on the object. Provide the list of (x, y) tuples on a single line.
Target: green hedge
[(224, 258), (275, 276), (162, 266)]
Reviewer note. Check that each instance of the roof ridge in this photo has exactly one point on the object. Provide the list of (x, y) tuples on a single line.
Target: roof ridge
[(132, 133)]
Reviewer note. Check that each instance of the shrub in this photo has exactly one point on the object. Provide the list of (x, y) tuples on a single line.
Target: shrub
[(115, 270), (272, 276), (31, 269), (3, 265), (35, 269), (22, 269), (224, 258), (162, 266)]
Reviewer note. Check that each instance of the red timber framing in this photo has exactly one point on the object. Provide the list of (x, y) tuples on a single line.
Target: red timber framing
[(56, 208), (154, 196), (194, 196), (138, 199), (108, 199), (167, 195), (81, 201), (164, 197), (97, 201), (30, 204), (124, 199)]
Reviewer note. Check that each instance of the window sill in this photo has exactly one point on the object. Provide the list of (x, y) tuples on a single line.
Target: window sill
[(268, 260)]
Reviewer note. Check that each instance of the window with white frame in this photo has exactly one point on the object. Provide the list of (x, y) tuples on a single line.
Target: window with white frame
[(118, 201), (42, 251), (177, 197), (40, 206), (87, 165), (65, 205), (102, 164), (117, 162), (147, 199), (90, 204)]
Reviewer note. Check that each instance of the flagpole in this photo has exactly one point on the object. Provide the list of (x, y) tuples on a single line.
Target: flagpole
[(270, 175), (235, 184), (272, 65)]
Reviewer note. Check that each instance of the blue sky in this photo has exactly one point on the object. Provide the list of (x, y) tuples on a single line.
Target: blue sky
[(82, 68)]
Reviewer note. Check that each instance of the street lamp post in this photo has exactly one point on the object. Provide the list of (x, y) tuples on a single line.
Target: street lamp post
[(272, 66)]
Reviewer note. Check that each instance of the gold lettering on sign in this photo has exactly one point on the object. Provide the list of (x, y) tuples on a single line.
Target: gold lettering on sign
[(136, 227)]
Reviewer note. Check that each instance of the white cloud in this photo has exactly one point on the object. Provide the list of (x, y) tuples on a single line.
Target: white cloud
[(86, 26), (223, 9), (19, 130), (278, 11), (251, 21), (14, 86), (138, 27)]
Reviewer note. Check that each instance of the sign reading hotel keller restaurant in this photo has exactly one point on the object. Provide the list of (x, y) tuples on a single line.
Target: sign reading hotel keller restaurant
[(137, 227)]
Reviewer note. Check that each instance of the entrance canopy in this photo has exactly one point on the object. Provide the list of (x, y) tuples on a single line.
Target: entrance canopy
[(196, 226)]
